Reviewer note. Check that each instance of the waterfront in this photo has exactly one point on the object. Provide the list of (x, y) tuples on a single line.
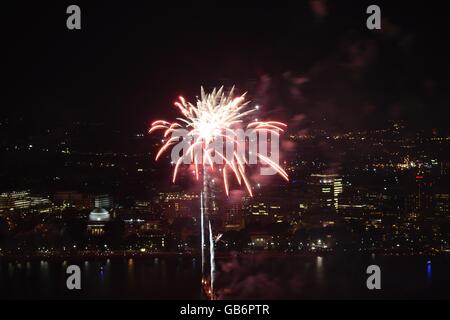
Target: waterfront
[(245, 277)]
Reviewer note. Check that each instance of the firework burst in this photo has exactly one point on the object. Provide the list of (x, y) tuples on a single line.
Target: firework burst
[(215, 116)]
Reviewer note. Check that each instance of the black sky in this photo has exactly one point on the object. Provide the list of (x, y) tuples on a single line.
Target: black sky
[(133, 58)]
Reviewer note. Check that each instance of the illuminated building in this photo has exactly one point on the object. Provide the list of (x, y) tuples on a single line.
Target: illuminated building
[(261, 240), (444, 168), (82, 201), (155, 240), (22, 200), (142, 206), (234, 217), (72, 199), (15, 200), (442, 204), (103, 201), (325, 190), (420, 198), (97, 220), (259, 209), (178, 204), (99, 214), (264, 209)]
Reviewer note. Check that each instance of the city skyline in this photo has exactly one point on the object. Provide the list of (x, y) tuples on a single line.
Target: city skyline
[(362, 176)]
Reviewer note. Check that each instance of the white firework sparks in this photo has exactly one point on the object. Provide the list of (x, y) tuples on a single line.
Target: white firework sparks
[(214, 116)]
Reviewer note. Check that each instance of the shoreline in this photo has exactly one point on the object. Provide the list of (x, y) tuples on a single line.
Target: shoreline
[(219, 256)]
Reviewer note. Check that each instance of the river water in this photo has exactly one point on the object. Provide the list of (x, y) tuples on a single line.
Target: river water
[(246, 277)]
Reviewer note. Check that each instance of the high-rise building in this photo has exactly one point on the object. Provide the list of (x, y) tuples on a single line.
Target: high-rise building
[(324, 191), (420, 198)]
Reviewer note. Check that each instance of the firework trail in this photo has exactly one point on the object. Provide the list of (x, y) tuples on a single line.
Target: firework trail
[(202, 223), (211, 257), (214, 117)]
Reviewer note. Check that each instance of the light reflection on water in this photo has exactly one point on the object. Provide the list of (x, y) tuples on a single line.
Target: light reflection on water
[(179, 278), (429, 273)]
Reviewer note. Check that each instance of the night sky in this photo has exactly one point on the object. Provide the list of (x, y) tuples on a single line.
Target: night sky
[(132, 59)]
